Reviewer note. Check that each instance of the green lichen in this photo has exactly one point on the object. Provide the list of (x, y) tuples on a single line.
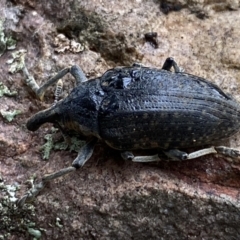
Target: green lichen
[(4, 90), (6, 43), (47, 147), (10, 115), (14, 221), (76, 144), (11, 43), (58, 222), (73, 144), (35, 232), (2, 39), (17, 62), (61, 146)]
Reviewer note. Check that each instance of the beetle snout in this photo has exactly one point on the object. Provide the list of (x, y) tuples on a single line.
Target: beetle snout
[(48, 115)]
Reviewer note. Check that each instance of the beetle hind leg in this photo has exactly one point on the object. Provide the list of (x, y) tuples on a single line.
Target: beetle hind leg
[(177, 155), (228, 152)]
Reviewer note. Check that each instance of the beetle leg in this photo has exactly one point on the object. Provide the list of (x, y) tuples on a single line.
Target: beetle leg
[(226, 151), (169, 63), (152, 158), (136, 64), (172, 154), (39, 91), (78, 74), (176, 155), (37, 188), (127, 155), (84, 154), (229, 152), (75, 71), (130, 156), (201, 152)]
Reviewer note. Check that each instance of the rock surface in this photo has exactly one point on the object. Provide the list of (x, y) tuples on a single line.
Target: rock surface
[(109, 198)]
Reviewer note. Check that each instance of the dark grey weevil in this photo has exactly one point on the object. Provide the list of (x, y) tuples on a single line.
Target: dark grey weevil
[(131, 108)]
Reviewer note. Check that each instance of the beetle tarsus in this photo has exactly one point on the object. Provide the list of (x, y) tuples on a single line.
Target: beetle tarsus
[(226, 151), (229, 152), (37, 188), (31, 194)]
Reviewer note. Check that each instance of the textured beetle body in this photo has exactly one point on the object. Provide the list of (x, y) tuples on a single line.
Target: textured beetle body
[(145, 108), (136, 107)]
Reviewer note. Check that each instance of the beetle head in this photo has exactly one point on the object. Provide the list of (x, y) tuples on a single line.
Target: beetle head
[(76, 114)]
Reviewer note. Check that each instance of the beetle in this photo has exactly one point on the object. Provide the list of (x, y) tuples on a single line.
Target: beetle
[(137, 107)]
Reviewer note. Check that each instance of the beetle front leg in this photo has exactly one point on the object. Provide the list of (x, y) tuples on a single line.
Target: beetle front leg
[(40, 91), (75, 71), (84, 154)]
